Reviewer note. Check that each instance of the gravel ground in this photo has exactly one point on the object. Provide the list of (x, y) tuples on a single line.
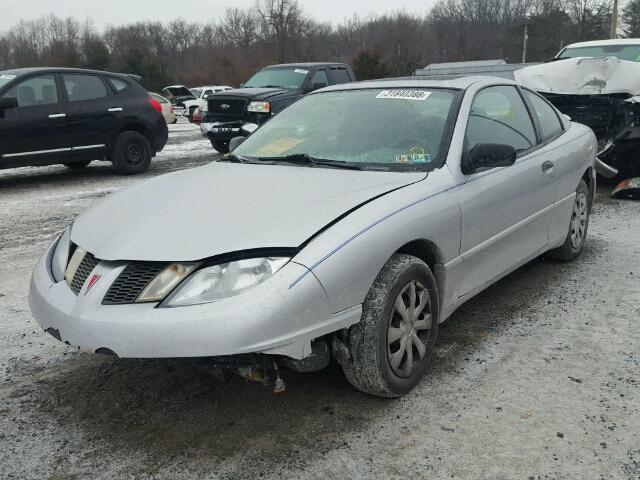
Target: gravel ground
[(536, 378)]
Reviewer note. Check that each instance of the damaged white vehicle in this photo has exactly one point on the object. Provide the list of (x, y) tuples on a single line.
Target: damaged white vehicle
[(597, 84), (347, 227)]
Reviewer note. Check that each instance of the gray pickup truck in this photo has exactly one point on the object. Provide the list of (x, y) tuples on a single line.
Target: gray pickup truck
[(241, 111)]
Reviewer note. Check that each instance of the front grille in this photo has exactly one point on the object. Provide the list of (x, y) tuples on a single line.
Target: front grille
[(87, 265), (130, 283), (226, 109)]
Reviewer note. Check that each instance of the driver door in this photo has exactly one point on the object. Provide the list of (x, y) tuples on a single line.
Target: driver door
[(500, 228), (37, 129)]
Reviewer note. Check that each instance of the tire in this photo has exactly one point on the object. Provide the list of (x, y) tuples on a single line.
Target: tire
[(578, 225), (191, 112), (377, 366), (221, 146), (131, 153), (77, 165)]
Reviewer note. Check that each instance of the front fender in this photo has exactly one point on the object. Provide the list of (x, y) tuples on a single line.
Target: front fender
[(347, 257)]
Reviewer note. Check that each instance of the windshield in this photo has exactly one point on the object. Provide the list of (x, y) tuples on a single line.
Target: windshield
[(398, 129), (5, 78), (290, 78), (623, 52), (196, 92)]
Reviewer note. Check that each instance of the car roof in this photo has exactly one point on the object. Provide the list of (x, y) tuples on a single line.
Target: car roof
[(28, 70), (176, 86), (213, 86), (461, 83), (604, 43), (308, 65)]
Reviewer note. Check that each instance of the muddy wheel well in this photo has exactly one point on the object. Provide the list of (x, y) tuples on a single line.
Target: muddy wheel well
[(588, 179), (424, 250)]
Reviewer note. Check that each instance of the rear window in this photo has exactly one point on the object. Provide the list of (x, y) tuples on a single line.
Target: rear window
[(118, 84)]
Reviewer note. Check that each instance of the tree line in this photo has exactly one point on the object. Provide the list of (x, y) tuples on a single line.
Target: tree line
[(229, 49)]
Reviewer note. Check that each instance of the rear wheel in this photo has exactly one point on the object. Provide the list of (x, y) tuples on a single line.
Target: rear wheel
[(221, 146), (77, 165), (131, 153), (392, 345), (578, 225)]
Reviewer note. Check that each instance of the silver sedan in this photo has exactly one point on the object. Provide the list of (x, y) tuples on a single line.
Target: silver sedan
[(346, 228)]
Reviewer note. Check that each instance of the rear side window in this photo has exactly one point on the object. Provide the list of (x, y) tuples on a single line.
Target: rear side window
[(340, 75), (550, 124), (84, 87), (498, 115), (118, 84), (35, 91)]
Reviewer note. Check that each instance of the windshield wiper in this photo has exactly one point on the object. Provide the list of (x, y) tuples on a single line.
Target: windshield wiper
[(306, 159), (230, 157)]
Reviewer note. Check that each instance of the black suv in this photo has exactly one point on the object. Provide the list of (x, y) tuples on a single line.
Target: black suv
[(72, 116), (240, 112)]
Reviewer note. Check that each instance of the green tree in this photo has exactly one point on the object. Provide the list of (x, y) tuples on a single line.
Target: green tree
[(631, 19), (368, 64)]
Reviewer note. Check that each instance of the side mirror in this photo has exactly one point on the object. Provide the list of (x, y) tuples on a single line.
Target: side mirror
[(488, 155), (235, 142), (8, 102)]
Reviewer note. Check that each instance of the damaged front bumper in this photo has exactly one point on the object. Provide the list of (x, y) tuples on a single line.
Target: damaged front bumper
[(270, 318)]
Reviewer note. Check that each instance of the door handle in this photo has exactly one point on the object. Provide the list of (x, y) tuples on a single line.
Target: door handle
[(57, 115), (115, 109), (547, 166)]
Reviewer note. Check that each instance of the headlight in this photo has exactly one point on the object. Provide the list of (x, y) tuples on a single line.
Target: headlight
[(60, 256), (259, 107), (223, 281), (166, 281)]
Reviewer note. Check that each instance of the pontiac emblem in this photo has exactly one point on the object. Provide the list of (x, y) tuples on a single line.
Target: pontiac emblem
[(92, 282), (225, 106)]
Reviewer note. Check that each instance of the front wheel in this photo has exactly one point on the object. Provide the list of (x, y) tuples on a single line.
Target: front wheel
[(221, 146), (578, 225), (391, 346), (131, 153)]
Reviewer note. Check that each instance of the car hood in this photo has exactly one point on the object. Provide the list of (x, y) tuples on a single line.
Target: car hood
[(224, 208), (583, 76), (255, 93)]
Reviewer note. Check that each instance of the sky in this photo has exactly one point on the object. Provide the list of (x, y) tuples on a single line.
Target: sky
[(116, 12)]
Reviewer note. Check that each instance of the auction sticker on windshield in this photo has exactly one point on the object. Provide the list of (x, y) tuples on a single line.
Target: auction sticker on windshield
[(7, 77), (404, 94), (299, 70)]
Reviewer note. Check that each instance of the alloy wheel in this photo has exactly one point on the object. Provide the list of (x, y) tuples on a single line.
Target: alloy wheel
[(579, 220), (408, 331)]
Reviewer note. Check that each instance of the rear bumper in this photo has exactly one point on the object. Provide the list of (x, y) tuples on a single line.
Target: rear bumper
[(159, 134)]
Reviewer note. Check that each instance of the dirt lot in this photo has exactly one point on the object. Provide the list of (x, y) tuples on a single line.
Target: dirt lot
[(538, 377)]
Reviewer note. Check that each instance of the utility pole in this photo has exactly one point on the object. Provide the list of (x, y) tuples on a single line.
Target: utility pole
[(614, 21), (524, 46)]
